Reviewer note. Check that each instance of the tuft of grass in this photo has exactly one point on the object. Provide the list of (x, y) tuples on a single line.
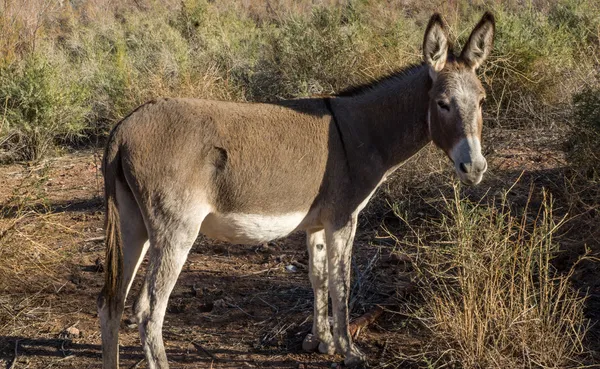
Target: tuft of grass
[(492, 297)]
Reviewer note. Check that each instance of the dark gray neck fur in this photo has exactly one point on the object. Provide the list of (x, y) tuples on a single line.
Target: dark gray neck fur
[(386, 124)]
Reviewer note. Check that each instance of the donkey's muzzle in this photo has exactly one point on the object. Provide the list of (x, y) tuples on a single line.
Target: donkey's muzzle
[(468, 161), (471, 173)]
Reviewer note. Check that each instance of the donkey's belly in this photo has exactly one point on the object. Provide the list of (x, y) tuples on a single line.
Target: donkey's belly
[(250, 228)]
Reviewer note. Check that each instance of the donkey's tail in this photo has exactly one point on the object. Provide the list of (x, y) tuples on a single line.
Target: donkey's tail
[(114, 249)]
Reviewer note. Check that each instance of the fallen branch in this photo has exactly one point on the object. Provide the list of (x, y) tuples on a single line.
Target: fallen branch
[(94, 239), (136, 365), (363, 321), (260, 271), (355, 326)]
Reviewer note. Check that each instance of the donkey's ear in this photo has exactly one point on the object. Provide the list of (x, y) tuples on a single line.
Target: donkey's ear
[(480, 42), (435, 45)]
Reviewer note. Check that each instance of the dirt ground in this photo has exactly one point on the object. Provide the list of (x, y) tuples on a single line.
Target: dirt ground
[(234, 306)]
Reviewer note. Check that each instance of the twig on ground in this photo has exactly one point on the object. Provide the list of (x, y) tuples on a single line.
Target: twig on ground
[(298, 264), (371, 316), (134, 366), (260, 272), (270, 305), (199, 347), (240, 309), (94, 239), (59, 360)]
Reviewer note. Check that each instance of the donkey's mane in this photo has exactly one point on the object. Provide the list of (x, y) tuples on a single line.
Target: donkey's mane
[(362, 88)]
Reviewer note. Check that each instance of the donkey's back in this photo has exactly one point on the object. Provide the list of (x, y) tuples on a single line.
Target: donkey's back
[(234, 157)]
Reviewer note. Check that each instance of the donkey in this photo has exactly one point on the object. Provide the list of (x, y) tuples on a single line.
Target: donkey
[(251, 173)]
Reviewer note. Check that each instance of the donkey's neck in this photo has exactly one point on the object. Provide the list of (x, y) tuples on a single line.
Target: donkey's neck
[(386, 124)]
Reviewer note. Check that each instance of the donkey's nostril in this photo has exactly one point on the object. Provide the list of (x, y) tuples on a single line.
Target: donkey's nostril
[(463, 168)]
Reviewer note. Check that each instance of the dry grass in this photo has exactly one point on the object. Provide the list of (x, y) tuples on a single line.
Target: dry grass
[(491, 294), (30, 267), (24, 218)]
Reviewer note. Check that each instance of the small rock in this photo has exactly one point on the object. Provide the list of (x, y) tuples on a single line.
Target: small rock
[(398, 257), (264, 248), (197, 292), (130, 323), (220, 303), (206, 308), (71, 332), (334, 365), (291, 268), (75, 279), (310, 343)]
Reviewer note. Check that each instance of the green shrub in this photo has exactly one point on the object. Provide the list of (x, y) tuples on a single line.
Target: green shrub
[(224, 47), (40, 106), (536, 64), (306, 56)]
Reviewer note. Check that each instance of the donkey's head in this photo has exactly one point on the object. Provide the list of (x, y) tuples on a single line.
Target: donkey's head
[(456, 95)]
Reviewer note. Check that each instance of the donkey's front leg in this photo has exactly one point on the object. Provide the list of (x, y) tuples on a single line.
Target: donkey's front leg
[(339, 254), (317, 271)]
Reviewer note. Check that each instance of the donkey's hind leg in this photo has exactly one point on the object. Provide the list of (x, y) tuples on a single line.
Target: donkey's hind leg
[(170, 244), (135, 243), (318, 274)]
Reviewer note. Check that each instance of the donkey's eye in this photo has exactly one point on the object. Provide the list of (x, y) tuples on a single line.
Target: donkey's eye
[(443, 105)]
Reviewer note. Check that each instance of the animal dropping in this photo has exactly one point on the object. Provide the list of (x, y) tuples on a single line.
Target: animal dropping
[(252, 173)]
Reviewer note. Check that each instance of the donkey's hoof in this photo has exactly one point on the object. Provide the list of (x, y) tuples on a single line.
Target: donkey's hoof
[(327, 348), (131, 323), (354, 358), (310, 343)]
